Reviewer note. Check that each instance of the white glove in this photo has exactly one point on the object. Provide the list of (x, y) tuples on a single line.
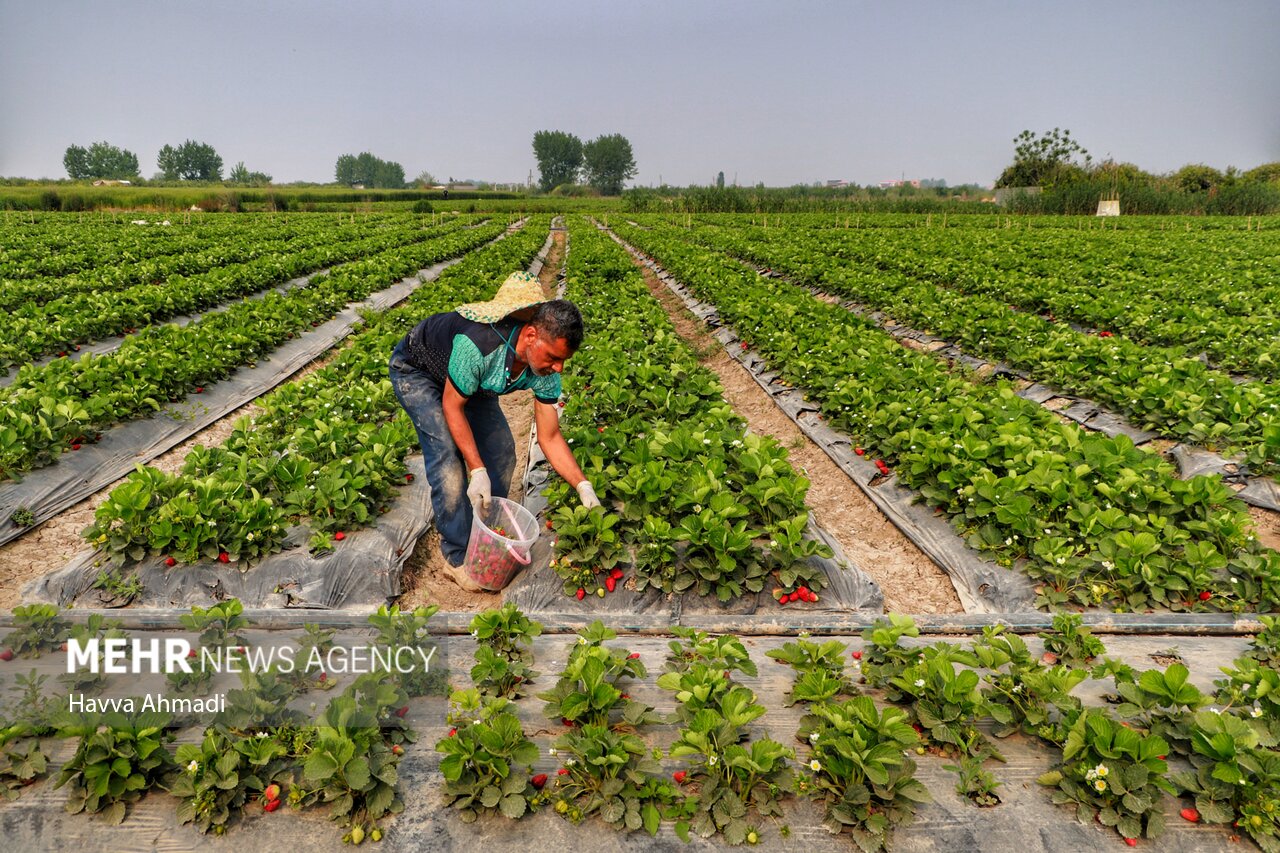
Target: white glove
[(479, 491), (588, 495)]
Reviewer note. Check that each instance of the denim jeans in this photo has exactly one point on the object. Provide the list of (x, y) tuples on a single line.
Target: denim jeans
[(422, 397)]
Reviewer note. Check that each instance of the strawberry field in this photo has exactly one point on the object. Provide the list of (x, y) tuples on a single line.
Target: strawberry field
[(1076, 427)]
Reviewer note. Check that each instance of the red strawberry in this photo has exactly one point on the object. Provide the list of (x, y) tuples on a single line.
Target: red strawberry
[(408, 478), (549, 524), (633, 656), (1049, 658), (616, 574), (191, 653), (580, 594), (76, 348), (1190, 814), (563, 771), (62, 353), (679, 776), (271, 805), (601, 429), (1206, 595), (401, 711), (200, 390), (453, 731), (1132, 842), (397, 750), (272, 792), (324, 676), (565, 721), (611, 583), (224, 557), (860, 451), (857, 655), (64, 647), (170, 562), (539, 780), (339, 536)]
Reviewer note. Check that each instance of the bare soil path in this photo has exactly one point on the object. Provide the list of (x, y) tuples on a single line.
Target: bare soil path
[(911, 582)]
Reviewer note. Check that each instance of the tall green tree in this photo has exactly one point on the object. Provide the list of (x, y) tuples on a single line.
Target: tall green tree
[(559, 158), (240, 174), (371, 171), (1045, 160), (608, 162), (190, 161), (100, 160)]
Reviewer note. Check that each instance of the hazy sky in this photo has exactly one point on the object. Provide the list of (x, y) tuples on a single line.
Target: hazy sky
[(779, 92)]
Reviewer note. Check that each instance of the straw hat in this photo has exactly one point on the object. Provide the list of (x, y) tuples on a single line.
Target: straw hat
[(520, 290)]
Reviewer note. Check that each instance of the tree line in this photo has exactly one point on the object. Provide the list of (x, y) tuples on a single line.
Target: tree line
[(604, 163)]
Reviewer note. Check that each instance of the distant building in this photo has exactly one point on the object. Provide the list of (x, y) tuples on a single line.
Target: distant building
[(108, 183), (885, 185), (466, 188), (837, 184)]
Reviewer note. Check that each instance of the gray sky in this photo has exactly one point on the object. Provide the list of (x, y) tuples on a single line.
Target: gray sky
[(779, 92)]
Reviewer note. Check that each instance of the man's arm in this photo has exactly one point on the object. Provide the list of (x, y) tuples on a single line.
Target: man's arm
[(553, 445), (459, 428)]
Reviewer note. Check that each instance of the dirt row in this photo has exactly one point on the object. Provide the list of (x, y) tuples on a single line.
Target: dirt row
[(910, 581)]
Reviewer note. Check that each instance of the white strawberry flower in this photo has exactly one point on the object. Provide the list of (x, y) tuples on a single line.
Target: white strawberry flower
[(193, 766), (815, 765)]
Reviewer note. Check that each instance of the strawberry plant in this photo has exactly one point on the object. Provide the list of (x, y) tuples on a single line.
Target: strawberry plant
[(1161, 703), (219, 625), (408, 629), (587, 691), (1070, 642), (1022, 695), (734, 777), (36, 628), (486, 758), (349, 763), (975, 784), (945, 701), (820, 670), (216, 779), (859, 770), (505, 652), (98, 628), (1114, 773), (612, 775), (586, 545), (725, 652), (885, 657), (119, 758), (1233, 780)]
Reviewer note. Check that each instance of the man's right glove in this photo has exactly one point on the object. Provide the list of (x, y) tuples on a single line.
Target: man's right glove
[(479, 491), (588, 495)]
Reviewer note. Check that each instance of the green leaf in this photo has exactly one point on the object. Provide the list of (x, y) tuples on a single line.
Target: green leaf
[(514, 806)]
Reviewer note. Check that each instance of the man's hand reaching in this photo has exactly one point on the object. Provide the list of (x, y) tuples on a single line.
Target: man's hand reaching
[(479, 491)]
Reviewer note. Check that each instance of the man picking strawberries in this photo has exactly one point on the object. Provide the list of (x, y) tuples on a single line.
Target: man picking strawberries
[(448, 373)]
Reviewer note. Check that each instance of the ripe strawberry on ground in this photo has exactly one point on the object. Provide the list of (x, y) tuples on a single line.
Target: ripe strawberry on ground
[(860, 451), (401, 711), (611, 583), (272, 792), (397, 750), (271, 805), (679, 776), (170, 562), (1049, 658), (224, 557), (1190, 814), (539, 780), (339, 536), (6, 655), (581, 594)]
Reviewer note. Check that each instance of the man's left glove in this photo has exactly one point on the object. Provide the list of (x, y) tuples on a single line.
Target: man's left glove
[(588, 495), (479, 492)]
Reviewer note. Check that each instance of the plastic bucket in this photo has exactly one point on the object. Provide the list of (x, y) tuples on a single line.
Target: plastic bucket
[(500, 544)]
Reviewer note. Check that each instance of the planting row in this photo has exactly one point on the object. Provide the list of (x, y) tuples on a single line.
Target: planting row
[(328, 448), (61, 324), (706, 767), (59, 406), (68, 248), (1093, 518), (1214, 293), (695, 503), (259, 752), (1161, 735), (1156, 388)]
